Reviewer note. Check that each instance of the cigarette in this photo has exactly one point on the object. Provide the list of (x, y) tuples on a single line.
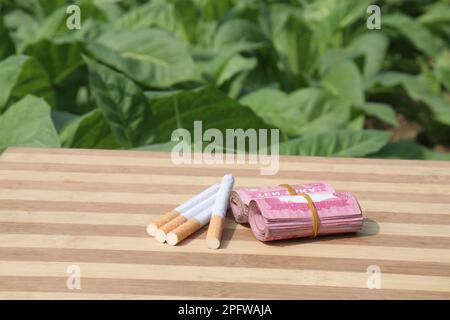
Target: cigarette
[(161, 233), (189, 227), (178, 211), (219, 211)]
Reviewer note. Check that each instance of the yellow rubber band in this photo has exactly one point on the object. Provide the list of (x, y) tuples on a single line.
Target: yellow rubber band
[(290, 189), (312, 207)]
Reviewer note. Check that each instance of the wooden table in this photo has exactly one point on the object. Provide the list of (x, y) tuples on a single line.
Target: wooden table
[(89, 208)]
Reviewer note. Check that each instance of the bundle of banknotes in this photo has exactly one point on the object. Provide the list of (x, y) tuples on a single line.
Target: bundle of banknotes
[(296, 211), (240, 199)]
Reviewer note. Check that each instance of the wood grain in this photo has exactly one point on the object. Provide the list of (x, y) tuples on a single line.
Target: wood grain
[(61, 207)]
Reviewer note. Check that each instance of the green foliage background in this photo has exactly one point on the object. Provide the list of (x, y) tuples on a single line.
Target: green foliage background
[(137, 70)]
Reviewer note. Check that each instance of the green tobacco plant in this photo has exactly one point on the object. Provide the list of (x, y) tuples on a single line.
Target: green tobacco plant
[(137, 70)]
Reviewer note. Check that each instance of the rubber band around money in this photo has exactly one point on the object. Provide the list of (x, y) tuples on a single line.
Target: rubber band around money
[(312, 208)]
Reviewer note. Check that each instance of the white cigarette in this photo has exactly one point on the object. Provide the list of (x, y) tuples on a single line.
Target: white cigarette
[(178, 211), (189, 227), (219, 211), (185, 216)]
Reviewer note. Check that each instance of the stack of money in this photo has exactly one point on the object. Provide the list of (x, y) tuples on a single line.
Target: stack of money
[(304, 215), (241, 198)]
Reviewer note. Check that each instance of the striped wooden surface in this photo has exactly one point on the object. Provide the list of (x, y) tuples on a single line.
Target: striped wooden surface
[(61, 207)]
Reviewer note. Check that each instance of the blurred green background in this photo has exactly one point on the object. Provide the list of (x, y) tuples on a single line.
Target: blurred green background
[(137, 70)]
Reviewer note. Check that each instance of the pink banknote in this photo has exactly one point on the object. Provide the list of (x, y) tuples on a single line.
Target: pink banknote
[(285, 217), (241, 198)]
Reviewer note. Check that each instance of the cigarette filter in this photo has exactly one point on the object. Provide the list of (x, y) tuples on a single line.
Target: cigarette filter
[(219, 211), (189, 227), (178, 211)]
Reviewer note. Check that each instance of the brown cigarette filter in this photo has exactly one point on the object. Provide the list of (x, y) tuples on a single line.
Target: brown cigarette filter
[(161, 233), (172, 224), (215, 230), (165, 218), (183, 231)]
